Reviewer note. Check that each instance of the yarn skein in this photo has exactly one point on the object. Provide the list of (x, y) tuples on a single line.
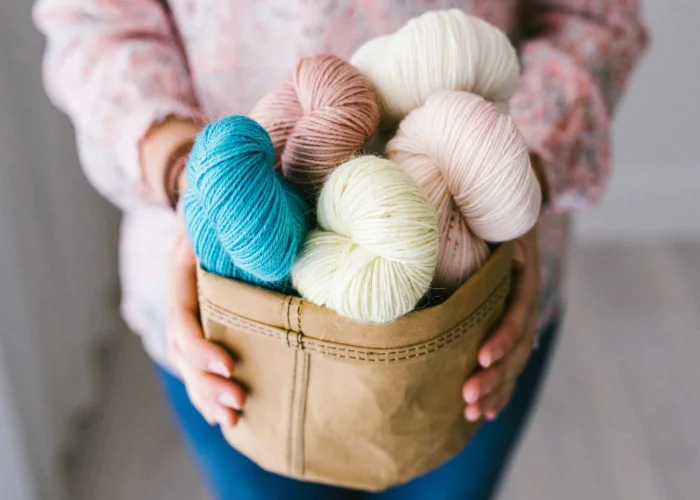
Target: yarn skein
[(375, 255), (244, 221), (317, 119), (474, 164), (439, 50)]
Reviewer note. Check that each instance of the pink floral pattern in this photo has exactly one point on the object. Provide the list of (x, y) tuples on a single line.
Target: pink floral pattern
[(116, 67)]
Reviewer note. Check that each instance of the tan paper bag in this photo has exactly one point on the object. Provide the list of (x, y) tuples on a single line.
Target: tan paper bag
[(358, 405)]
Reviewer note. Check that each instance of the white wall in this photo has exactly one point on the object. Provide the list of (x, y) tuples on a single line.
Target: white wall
[(655, 191), (58, 279)]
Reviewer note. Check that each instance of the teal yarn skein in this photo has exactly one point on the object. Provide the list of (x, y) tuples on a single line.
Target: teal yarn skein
[(245, 222)]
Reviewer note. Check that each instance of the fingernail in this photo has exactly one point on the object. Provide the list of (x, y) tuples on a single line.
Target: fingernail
[(471, 396), (219, 368), (491, 415), (222, 417), (473, 414), (227, 399), (491, 358), (519, 253)]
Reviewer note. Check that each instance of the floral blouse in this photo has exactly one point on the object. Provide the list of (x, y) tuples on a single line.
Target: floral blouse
[(116, 67)]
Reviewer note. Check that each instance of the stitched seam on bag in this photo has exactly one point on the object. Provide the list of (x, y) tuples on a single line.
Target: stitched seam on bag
[(288, 303), (368, 354), (290, 428), (302, 411), (415, 351), (299, 316), (360, 354)]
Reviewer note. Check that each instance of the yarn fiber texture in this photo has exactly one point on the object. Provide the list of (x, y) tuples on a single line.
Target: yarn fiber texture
[(375, 253), (439, 50), (317, 119), (474, 165), (245, 222)]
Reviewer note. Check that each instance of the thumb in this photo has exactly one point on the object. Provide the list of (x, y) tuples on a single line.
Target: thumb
[(183, 251), (519, 253)]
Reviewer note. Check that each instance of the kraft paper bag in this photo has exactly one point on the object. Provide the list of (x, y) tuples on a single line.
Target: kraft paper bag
[(353, 404)]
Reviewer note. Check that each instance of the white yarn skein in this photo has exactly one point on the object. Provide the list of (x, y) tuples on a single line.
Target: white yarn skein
[(375, 255), (439, 50)]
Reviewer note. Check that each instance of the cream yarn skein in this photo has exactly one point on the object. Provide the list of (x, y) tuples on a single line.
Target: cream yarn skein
[(375, 255), (474, 164), (439, 50)]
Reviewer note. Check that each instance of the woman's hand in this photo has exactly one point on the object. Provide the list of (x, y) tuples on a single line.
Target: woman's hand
[(505, 353), (206, 368)]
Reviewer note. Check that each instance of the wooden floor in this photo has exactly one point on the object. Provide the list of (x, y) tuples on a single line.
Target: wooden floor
[(619, 418)]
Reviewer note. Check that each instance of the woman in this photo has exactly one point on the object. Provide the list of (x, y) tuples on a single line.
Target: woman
[(139, 78)]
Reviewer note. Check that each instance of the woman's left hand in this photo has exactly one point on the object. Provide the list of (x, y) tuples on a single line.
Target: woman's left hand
[(504, 355)]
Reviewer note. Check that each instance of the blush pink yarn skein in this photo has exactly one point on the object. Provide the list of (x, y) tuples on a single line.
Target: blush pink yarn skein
[(317, 119), (474, 164)]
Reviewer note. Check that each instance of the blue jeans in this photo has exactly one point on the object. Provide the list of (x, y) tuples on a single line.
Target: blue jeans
[(473, 474)]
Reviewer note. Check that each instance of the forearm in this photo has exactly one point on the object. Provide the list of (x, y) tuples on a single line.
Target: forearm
[(117, 69), (576, 59), (163, 152), (538, 168)]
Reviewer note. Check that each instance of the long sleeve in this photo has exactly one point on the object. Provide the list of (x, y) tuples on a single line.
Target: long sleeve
[(116, 68), (576, 57)]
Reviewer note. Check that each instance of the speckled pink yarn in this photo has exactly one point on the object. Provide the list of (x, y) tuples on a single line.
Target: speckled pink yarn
[(317, 119), (474, 164)]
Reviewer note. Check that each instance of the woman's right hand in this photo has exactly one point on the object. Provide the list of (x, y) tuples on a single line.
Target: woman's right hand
[(205, 367)]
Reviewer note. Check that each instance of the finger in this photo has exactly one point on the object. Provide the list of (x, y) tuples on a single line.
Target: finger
[(183, 276), (482, 383), (214, 399), (207, 392), (199, 405), (213, 390), (521, 305), (213, 413), (515, 363), (519, 258), (506, 335), (199, 352), (528, 283), (494, 404), (184, 321), (490, 406), (490, 380), (472, 413), (188, 374), (225, 417)]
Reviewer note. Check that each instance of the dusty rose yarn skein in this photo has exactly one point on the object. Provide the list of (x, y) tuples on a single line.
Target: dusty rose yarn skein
[(317, 119), (474, 164)]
